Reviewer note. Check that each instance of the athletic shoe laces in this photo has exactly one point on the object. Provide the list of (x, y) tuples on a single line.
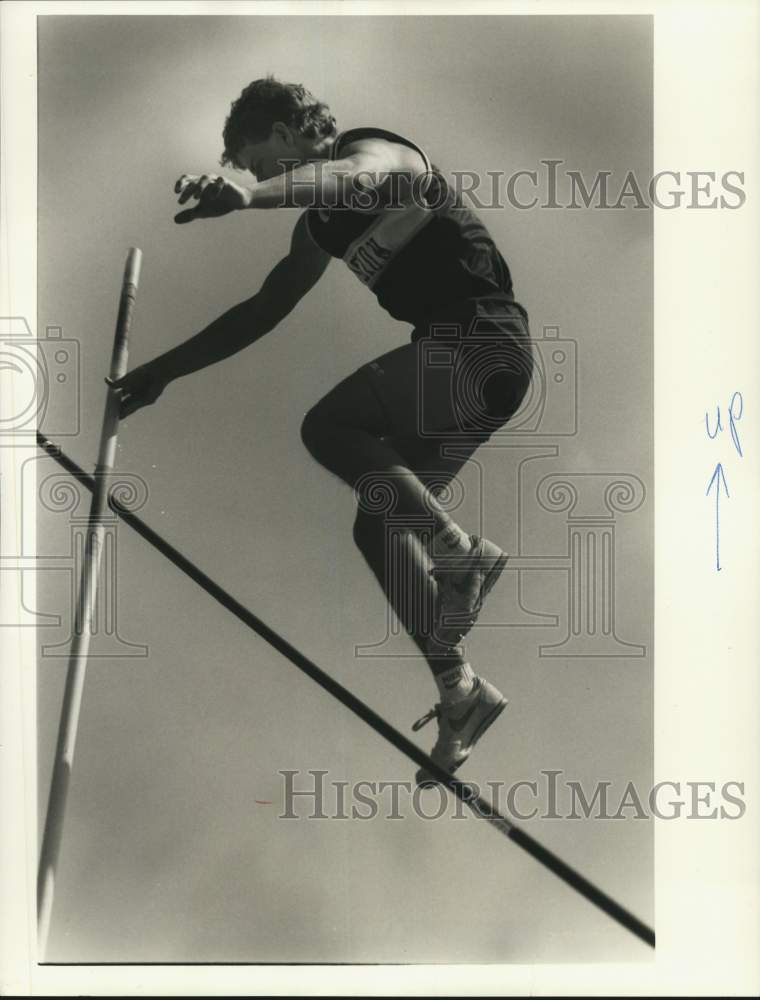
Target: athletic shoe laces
[(434, 713)]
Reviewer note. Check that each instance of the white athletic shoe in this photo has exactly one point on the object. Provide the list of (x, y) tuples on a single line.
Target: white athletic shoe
[(460, 726), (464, 580)]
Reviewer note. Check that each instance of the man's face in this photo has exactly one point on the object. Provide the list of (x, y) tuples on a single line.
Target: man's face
[(283, 150)]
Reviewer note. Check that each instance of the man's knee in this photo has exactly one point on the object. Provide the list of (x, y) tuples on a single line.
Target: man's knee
[(492, 385), (369, 530), (503, 394), (314, 432)]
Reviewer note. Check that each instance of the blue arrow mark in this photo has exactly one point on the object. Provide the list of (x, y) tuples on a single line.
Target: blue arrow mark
[(716, 478)]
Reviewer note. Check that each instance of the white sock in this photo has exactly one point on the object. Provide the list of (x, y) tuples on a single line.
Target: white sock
[(449, 541), (455, 683)]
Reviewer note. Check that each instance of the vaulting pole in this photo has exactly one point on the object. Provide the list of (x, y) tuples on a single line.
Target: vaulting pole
[(87, 596)]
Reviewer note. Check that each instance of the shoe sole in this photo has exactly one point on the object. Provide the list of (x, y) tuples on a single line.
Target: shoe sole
[(485, 724), (489, 580)]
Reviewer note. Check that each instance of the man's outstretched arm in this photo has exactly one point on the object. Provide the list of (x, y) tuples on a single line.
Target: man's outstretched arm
[(284, 287), (363, 178)]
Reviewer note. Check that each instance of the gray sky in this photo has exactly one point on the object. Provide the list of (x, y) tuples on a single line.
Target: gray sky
[(166, 854)]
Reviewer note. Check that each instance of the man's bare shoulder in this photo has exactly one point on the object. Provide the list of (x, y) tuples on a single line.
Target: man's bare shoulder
[(394, 156)]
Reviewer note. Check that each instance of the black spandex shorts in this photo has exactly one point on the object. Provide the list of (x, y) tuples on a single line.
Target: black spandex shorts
[(466, 371)]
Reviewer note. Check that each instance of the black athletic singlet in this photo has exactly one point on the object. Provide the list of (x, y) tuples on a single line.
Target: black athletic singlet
[(418, 258)]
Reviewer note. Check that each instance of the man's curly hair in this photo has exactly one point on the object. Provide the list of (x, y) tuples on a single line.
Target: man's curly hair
[(266, 101)]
